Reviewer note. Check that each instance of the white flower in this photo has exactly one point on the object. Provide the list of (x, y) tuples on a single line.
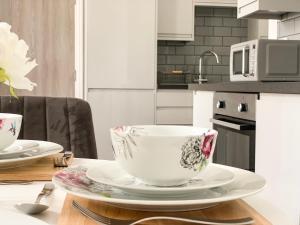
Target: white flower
[(14, 63)]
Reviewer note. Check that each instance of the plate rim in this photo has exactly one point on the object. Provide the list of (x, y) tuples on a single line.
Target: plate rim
[(45, 154), (162, 190), (154, 203)]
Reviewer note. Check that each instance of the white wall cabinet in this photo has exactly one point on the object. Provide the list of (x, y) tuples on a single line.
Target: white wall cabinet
[(112, 108), (203, 108), (174, 107), (216, 3), (266, 9), (176, 20), (277, 152), (121, 44)]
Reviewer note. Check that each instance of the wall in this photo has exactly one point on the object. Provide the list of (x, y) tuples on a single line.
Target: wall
[(215, 29), (48, 29), (289, 27)]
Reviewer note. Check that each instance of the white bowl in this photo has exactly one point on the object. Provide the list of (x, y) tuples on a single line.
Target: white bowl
[(10, 125), (163, 155)]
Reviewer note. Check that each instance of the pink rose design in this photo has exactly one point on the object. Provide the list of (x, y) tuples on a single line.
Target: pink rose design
[(206, 144), (1, 123), (119, 129)]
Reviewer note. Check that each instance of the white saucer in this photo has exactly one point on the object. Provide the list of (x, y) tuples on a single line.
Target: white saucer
[(110, 173), (74, 181), (18, 148), (43, 149)]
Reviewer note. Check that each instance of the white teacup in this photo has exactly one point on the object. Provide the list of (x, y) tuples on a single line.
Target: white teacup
[(10, 125), (163, 155)]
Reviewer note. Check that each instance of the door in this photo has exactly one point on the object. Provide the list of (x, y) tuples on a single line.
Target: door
[(47, 26), (112, 108), (121, 44)]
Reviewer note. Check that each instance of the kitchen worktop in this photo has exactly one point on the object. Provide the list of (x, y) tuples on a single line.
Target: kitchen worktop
[(250, 87)]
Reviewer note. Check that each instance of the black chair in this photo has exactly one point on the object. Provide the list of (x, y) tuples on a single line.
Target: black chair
[(66, 121)]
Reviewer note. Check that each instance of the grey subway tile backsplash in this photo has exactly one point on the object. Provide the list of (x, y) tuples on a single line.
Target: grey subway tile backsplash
[(290, 28), (286, 28), (165, 50), (175, 59), (215, 29), (228, 41), (213, 41), (204, 11), (239, 32), (185, 50), (231, 22), (224, 12), (204, 31), (213, 21), (222, 31)]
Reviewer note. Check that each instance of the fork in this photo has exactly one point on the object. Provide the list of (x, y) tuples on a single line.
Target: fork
[(62, 161), (110, 221)]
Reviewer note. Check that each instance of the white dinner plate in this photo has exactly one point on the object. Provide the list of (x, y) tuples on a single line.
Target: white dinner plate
[(43, 149), (74, 180), (18, 148), (110, 173), (12, 218)]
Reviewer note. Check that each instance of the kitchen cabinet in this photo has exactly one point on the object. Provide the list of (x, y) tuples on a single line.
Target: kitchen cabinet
[(277, 151), (203, 108), (121, 44), (174, 107), (112, 108), (266, 9), (120, 65), (276, 148), (216, 3), (176, 20)]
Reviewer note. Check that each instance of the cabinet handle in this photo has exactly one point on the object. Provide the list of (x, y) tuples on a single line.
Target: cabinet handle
[(232, 125)]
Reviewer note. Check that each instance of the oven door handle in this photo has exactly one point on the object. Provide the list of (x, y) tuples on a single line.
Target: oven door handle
[(232, 125)]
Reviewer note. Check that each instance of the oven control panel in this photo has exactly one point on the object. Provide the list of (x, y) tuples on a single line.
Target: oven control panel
[(238, 105)]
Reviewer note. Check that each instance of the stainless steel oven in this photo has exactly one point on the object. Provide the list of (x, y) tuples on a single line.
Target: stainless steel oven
[(234, 119)]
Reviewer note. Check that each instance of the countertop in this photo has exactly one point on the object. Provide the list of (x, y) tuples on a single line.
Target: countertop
[(249, 87)]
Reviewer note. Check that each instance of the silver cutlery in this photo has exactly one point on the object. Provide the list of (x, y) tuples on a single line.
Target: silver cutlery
[(62, 161), (37, 207), (110, 221)]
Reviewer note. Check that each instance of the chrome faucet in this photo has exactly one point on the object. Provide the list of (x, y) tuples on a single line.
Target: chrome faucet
[(208, 52)]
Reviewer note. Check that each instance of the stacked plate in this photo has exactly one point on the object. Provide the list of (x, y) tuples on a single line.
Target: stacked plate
[(106, 181), (16, 153), (25, 152)]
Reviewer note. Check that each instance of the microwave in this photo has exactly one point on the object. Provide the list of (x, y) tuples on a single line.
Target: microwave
[(265, 60)]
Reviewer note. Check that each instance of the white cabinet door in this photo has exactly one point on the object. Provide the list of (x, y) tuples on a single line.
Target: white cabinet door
[(176, 20), (174, 98), (203, 108), (277, 153), (216, 3), (112, 108), (174, 116), (121, 44)]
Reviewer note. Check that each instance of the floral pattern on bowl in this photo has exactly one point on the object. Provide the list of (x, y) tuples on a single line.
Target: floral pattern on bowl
[(124, 137), (197, 151)]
